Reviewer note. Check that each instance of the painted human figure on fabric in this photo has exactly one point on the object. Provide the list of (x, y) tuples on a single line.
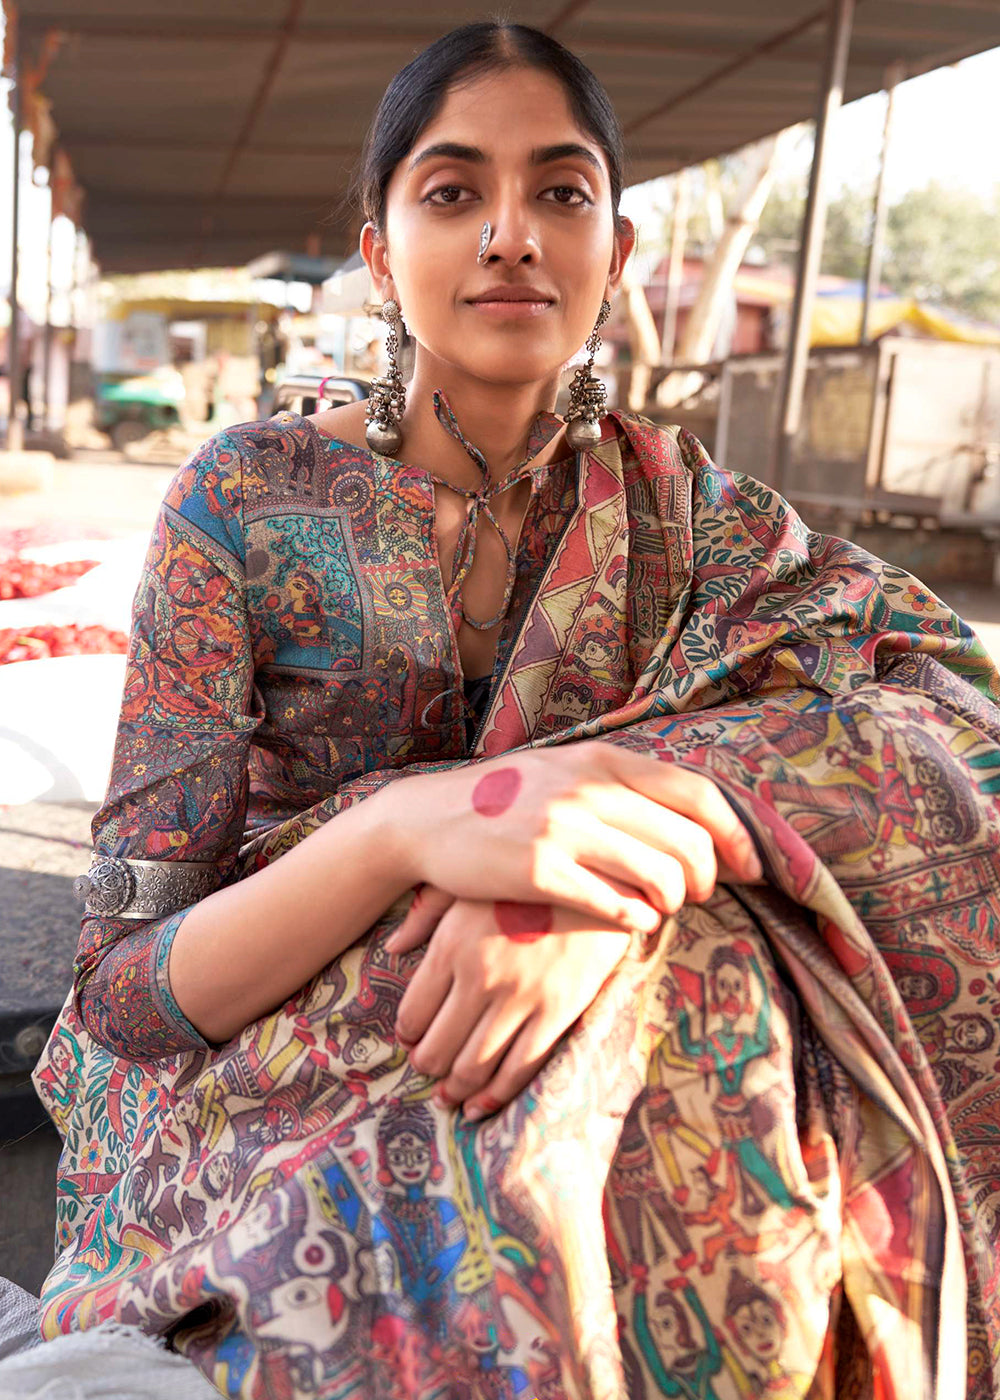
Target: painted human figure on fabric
[(644, 1212), (425, 1233), (680, 1365), (757, 1323), (61, 1072), (711, 1204), (669, 1131), (958, 1048), (727, 1052)]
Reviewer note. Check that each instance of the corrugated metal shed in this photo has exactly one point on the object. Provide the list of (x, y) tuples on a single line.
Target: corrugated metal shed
[(209, 134)]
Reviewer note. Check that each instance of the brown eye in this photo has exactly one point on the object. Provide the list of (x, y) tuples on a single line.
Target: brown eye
[(569, 196), (446, 194)]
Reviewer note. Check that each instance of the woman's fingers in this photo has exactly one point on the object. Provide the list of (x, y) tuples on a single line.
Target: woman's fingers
[(669, 865), (477, 1060), (523, 1060), (422, 918), (425, 995), (727, 876), (560, 880), (693, 795), (447, 1033)]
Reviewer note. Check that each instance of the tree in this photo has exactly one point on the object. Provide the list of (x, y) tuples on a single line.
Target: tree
[(944, 245), (941, 244), (848, 225), (743, 216)]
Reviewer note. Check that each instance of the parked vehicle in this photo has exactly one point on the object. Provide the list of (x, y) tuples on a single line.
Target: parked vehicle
[(311, 391), (131, 407)]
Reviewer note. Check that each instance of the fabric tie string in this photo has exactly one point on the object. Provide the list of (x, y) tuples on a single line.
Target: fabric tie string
[(543, 430)]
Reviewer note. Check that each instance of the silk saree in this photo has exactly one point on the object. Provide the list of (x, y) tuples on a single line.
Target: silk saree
[(764, 1162)]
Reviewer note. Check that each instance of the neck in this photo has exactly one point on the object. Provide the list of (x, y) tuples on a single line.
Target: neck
[(496, 418)]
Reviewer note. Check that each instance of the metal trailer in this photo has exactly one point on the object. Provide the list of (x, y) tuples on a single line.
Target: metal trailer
[(901, 436)]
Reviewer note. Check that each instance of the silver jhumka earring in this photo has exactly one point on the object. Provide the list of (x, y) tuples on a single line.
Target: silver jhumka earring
[(485, 237), (587, 395), (387, 401)]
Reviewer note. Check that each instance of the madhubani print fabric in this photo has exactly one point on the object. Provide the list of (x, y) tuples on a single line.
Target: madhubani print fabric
[(764, 1163), (290, 633)]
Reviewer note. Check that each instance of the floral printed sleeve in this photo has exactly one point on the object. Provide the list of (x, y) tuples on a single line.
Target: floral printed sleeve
[(178, 786)]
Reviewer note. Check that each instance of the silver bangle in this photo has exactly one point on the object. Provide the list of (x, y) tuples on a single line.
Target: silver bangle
[(144, 889)]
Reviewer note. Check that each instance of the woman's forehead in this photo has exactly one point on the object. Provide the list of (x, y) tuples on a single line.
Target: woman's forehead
[(513, 112)]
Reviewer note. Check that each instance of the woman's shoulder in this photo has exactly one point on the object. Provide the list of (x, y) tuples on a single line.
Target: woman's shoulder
[(261, 456), (345, 423), (279, 433), (663, 446)]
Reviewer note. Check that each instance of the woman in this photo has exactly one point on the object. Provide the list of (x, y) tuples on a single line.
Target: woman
[(597, 1110)]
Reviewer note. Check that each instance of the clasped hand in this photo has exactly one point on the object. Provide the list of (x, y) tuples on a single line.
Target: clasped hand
[(496, 988), (536, 868)]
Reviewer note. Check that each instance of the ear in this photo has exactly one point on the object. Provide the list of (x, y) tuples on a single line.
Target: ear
[(624, 243), (372, 246)]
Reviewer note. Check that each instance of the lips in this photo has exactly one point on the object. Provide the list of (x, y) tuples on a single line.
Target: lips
[(507, 293)]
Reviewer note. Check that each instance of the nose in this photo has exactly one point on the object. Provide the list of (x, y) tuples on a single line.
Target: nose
[(514, 237)]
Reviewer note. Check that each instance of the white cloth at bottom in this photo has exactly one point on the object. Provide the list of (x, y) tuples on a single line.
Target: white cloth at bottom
[(109, 1362)]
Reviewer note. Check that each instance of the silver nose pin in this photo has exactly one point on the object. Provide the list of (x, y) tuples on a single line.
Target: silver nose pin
[(485, 236)]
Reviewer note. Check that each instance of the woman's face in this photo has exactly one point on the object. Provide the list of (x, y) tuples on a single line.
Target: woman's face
[(506, 148)]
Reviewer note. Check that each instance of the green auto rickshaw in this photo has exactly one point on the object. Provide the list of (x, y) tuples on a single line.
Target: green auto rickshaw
[(130, 408)]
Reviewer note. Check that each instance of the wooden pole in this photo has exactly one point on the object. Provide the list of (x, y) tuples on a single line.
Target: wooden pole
[(47, 342), (701, 328), (15, 435), (793, 380), (876, 249), (675, 265), (644, 341)]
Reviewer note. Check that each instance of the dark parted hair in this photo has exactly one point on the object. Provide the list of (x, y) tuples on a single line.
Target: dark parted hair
[(417, 92)]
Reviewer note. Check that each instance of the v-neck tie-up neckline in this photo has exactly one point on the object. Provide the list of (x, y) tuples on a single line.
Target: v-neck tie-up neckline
[(543, 430)]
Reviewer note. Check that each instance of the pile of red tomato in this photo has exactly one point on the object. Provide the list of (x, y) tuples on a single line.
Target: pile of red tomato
[(37, 643), (26, 578)]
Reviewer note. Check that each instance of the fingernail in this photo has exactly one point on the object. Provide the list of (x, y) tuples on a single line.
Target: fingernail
[(473, 1115), (752, 868)]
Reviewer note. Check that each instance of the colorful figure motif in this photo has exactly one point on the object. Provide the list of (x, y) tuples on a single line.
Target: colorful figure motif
[(664, 1333), (716, 1155), (425, 1233), (728, 1052)]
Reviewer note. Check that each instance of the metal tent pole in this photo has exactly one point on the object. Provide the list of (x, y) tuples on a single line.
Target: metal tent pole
[(15, 436), (873, 276), (793, 378)]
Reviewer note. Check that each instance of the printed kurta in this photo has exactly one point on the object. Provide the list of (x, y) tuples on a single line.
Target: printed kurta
[(763, 1163), (291, 632)]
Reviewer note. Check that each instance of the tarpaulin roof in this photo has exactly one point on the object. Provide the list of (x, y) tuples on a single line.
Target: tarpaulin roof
[(212, 133)]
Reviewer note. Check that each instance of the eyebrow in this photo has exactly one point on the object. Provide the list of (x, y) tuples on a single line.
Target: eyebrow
[(541, 155)]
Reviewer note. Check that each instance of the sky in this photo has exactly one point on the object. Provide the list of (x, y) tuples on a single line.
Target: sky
[(945, 128)]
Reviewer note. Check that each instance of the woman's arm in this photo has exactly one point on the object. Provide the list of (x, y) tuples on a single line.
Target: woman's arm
[(243, 950), (149, 987), (177, 793), (491, 830)]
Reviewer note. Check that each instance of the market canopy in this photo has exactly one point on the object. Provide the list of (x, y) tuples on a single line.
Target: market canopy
[(210, 135)]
